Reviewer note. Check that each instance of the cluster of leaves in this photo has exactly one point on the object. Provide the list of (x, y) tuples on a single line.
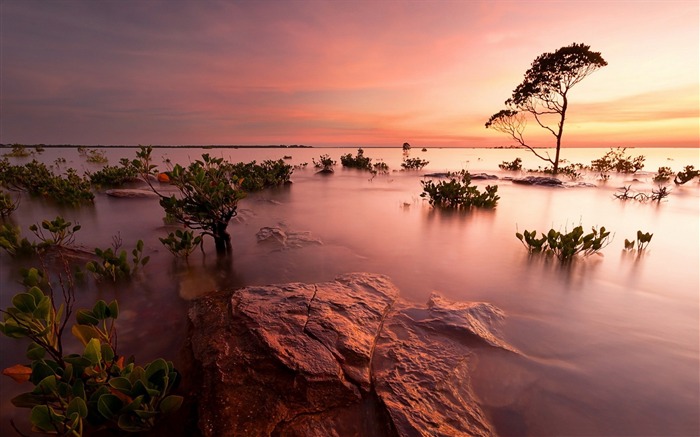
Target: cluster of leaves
[(256, 177), (114, 175), (57, 233), (112, 264), (414, 163), (515, 165), (641, 243), (380, 167), (181, 243), (663, 174), (80, 393), (689, 173), (657, 195), (616, 160), (18, 151), (325, 163), (38, 180), (458, 193), (7, 204), (572, 171), (565, 246), (360, 161), (93, 156)]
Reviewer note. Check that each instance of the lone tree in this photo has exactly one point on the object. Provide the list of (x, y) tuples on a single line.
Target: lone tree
[(544, 95)]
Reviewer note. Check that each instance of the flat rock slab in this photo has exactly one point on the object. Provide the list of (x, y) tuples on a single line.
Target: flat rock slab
[(130, 193), (538, 180), (345, 357)]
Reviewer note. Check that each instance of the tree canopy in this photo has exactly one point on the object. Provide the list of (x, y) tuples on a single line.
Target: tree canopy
[(543, 94)]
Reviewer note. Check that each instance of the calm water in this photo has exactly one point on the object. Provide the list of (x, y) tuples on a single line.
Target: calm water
[(610, 343)]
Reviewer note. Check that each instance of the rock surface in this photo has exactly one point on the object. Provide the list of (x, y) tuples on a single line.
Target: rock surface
[(538, 180), (285, 239), (130, 193), (340, 358)]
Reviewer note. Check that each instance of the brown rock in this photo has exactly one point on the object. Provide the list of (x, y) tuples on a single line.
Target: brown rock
[(340, 358), (130, 193)]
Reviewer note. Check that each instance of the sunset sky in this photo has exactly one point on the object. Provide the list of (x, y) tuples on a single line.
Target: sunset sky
[(338, 73)]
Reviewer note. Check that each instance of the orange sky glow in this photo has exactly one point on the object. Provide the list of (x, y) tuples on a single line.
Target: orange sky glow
[(355, 73)]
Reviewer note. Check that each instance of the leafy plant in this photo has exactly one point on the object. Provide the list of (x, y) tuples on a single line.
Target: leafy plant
[(7, 204), (79, 393), (181, 243), (93, 156), (458, 193), (113, 266), (515, 165), (59, 233), (616, 160), (664, 174), (689, 173), (255, 177), (36, 179), (209, 194), (114, 175), (565, 246), (325, 163), (18, 151), (641, 242), (360, 161), (414, 163), (12, 241)]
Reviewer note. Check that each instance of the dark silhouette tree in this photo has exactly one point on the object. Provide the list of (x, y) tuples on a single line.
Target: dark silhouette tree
[(544, 94)]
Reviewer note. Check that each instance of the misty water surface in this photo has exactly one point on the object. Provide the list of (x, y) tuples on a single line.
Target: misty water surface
[(610, 343)]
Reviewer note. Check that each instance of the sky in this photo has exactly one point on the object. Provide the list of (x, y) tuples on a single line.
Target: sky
[(339, 73)]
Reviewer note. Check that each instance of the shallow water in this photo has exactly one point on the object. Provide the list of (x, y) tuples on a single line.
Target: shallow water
[(610, 343)]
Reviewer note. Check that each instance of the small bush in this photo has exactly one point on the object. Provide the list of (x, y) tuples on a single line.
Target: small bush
[(565, 246), (36, 179), (113, 266), (93, 156), (325, 163), (360, 161), (516, 165), (664, 174), (414, 163), (458, 193), (18, 151), (111, 176), (641, 243), (616, 160), (689, 173), (181, 243)]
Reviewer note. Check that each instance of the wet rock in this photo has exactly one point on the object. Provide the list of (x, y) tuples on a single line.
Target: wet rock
[(436, 175), (345, 357), (130, 193), (283, 239), (483, 176), (547, 181)]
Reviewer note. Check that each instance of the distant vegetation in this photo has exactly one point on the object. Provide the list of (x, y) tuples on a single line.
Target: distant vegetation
[(359, 161)]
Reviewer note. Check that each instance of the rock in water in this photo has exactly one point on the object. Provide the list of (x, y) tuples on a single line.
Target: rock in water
[(538, 180), (345, 357)]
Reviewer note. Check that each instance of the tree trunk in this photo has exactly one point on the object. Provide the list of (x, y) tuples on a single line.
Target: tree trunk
[(222, 239)]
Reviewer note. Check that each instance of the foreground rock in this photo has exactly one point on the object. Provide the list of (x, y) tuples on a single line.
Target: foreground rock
[(346, 357), (285, 239)]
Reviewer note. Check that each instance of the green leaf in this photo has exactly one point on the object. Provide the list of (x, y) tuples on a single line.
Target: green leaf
[(77, 405), (109, 405), (24, 302), (27, 400), (85, 333), (122, 384), (170, 404), (93, 351), (86, 317), (113, 309), (35, 352), (100, 310), (42, 418)]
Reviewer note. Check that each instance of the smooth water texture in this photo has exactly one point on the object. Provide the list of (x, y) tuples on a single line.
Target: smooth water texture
[(610, 343)]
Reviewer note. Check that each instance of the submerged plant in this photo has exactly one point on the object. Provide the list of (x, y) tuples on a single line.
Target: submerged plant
[(59, 233), (565, 246), (515, 165), (181, 243), (664, 174), (325, 163), (458, 193), (12, 241), (616, 160), (209, 195), (689, 173), (360, 161), (38, 180), (642, 241), (414, 163), (113, 264), (114, 175)]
